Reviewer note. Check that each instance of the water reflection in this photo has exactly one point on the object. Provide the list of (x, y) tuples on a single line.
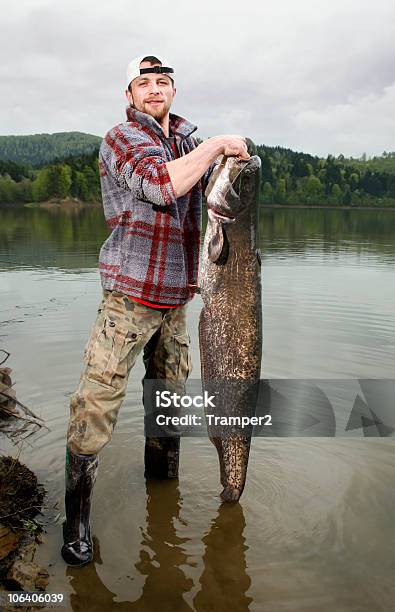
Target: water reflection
[(37, 237), (89, 591), (161, 558), (328, 232), (72, 238), (224, 579), (162, 554)]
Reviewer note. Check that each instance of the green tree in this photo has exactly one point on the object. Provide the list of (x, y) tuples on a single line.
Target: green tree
[(7, 189), (59, 181), (354, 181), (347, 198), (281, 191), (92, 179), (41, 185), (267, 193), (309, 169), (337, 194), (313, 186), (81, 186), (24, 190)]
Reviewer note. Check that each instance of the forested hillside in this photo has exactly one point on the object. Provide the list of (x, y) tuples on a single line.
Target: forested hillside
[(288, 177), (40, 149), (299, 178), (380, 163), (76, 177)]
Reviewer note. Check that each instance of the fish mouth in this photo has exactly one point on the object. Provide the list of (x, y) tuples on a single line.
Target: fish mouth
[(213, 213)]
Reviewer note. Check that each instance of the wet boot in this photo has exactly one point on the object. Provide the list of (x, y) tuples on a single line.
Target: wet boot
[(161, 457), (80, 475)]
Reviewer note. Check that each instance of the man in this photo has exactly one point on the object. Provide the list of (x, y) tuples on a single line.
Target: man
[(152, 174)]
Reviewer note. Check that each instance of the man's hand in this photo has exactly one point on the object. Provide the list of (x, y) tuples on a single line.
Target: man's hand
[(233, 146)]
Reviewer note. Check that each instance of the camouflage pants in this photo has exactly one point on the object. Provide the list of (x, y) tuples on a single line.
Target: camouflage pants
[(123, 329)]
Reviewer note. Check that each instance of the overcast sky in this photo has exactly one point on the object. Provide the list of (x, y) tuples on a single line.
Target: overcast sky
[(312, 75)]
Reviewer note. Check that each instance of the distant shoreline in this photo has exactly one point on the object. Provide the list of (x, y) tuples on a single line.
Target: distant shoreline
[(53, 203), (75, 203), (329, 207), (62, 203)]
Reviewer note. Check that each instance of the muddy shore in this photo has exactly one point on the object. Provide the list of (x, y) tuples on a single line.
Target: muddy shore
[(21, 499)]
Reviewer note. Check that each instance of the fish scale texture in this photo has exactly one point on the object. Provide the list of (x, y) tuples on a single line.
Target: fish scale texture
[(230, 326)]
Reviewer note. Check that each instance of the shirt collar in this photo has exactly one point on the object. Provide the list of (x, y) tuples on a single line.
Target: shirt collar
[(178, 125)]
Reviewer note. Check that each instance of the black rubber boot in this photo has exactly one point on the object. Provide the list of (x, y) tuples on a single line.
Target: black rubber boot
[(161, 457), (80, 475)]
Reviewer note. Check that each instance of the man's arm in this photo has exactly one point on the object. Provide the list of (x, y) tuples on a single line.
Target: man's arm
[(185, 171), (138, 164)]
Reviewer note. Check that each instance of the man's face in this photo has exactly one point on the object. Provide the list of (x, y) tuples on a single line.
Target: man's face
[(152, 93)]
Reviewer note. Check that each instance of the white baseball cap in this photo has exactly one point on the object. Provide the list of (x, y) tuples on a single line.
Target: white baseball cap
[(133, 70)]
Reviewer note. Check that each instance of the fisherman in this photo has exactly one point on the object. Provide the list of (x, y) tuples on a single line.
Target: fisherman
[(153, 173)]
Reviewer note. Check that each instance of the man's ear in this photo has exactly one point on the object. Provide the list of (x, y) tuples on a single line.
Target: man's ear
[(129, 96)]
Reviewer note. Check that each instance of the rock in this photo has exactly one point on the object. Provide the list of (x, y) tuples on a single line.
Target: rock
[(22, 575), (20, 500), (27, 575), (28, 549), (8, 541), (42, 579)]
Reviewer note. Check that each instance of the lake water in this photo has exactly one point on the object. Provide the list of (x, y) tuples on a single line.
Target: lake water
[(315, 526)]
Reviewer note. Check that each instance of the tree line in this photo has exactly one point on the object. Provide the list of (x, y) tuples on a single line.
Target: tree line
[(298, 178), (75, 177), (288, 178)]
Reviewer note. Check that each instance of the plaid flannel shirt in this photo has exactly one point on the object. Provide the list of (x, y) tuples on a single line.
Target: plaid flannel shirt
[(152, 252)]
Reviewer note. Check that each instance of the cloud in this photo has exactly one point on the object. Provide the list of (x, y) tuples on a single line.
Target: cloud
[(312, 75), (362, 122)]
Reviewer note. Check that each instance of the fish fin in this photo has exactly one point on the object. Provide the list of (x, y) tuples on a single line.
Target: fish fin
[(216, 243), (218, 248)]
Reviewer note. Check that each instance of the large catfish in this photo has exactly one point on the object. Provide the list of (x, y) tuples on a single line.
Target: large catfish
[(230, 326)]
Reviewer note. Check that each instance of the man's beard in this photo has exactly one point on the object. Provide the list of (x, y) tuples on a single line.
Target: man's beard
[(157, 113)]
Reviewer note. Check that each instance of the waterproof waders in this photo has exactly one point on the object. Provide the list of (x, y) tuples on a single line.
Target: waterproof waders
[(122, 331)]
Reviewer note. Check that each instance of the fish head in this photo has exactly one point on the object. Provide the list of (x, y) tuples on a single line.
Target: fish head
[(233, 186), (231, 193), (244, 188)]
